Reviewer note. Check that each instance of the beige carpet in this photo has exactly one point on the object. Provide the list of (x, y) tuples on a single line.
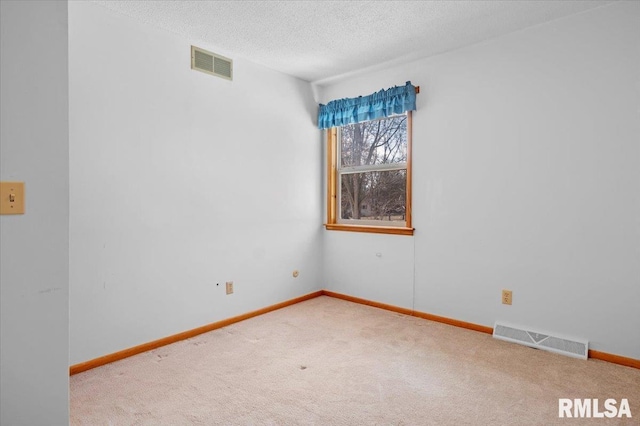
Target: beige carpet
[(330, 362)]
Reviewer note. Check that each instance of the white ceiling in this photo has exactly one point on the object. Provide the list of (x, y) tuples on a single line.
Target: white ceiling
[(320, 41)]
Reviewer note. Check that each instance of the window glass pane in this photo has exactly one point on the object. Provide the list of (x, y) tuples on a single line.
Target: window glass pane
[(374, 142), (379, 196)]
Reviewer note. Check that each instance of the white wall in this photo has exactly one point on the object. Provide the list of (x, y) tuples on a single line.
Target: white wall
[(34, 247), (526, 176), (181, 180)]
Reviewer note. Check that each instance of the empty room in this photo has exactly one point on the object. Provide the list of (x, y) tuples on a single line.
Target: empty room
[(319, 212)]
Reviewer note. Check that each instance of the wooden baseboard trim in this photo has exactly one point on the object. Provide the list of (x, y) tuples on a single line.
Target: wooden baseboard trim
[(348, 298), (116, 356), (454, 322), (406, 311), (616, 359), (603, 356), (106, 359)]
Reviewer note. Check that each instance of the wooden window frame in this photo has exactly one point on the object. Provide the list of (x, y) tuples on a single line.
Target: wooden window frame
[(332, 189)]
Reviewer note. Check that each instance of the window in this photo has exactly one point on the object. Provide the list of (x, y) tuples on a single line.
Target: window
[(369, 176)]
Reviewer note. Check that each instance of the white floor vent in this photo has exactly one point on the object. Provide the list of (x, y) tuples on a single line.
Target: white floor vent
[(576, 348)]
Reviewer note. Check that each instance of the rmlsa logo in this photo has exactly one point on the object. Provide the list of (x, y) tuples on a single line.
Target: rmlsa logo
[(591, 408)]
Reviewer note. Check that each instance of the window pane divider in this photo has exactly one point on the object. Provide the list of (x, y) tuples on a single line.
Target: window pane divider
[(373, 168)]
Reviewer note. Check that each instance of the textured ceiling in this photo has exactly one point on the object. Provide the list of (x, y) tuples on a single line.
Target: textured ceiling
[(319, 41)]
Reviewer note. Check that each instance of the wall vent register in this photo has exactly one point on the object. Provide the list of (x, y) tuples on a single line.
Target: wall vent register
[(211, 63), (577, 348)]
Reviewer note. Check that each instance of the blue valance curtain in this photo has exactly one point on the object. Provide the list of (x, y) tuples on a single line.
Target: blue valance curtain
[(384, 103)]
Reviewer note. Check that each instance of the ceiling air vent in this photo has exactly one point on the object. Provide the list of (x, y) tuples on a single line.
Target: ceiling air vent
[(211, 63)]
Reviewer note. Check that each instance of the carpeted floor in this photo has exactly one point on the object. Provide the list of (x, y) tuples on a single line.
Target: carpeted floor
[(331, 362)]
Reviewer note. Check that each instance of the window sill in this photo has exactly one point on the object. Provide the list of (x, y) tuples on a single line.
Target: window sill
[(393, 230)]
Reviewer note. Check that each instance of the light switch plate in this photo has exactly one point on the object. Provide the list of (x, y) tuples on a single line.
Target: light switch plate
[(11, 197)]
